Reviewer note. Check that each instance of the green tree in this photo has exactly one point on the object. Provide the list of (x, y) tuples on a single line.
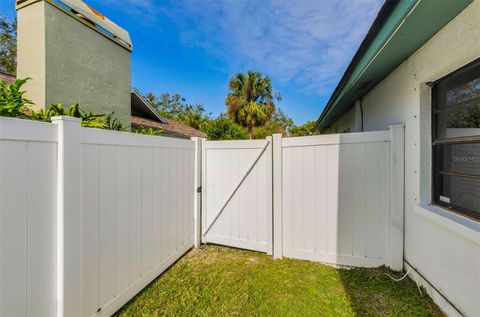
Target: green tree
[(8, 45), (279, 123), (250, 100), (168, 105), (302, 130), (175, 107), (221, 128), (193, 116)]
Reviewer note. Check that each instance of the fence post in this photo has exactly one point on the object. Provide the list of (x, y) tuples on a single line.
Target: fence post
[(198, 192), (397, 183), (268, 160), (69, 218), (277, 197), (203, 196)]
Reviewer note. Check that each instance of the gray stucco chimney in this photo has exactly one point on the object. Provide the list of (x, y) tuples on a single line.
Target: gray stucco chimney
[(74, 55)]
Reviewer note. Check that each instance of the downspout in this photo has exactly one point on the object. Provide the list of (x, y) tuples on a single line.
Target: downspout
[(358, 115)]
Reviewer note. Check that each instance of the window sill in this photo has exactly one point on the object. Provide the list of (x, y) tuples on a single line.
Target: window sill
[(467, 228)]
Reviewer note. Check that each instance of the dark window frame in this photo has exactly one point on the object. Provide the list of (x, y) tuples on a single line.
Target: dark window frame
[(436, 182)]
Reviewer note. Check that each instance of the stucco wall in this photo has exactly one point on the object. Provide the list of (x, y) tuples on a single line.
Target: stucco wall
[(442, 246), (346, 123), (78, 64), (31, 51)]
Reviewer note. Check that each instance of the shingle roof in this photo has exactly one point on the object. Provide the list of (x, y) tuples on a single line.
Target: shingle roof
[(171, 128), (7, 77)]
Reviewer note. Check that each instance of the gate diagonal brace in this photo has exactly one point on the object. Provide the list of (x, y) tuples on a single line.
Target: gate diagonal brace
[(237, 187)]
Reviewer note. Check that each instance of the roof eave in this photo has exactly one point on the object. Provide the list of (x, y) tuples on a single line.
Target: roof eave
[(398, 31), (148, 106), (382, 16)]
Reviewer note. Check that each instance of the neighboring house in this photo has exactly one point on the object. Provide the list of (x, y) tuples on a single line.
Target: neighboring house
[(143, 115), (64, 73), (73, 54), (420, 65)]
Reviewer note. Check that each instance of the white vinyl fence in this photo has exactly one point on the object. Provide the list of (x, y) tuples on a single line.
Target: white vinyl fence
[(339, 198), (137, 213), (28, 218), (122, 215), (89, 217), (336, 198)]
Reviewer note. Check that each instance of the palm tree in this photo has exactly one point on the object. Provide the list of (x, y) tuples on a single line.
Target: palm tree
[(250, 100)]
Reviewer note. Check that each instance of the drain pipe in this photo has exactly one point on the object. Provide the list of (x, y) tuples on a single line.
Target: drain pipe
[(433, 286), (358, 115)]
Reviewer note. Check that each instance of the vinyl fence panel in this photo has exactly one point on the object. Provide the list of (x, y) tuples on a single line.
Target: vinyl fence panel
[(333, 198), (138, 213), (88, 217), (28, 236)]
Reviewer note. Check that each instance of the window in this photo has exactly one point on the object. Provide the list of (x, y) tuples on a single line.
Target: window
[(456, 141)]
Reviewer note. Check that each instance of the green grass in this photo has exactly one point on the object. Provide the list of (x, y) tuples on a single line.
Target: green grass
[(218, 281)]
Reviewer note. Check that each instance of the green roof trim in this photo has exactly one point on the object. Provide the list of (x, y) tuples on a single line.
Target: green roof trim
[(400, 29)]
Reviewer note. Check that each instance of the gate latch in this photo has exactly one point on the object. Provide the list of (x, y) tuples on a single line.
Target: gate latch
[(199, 189)]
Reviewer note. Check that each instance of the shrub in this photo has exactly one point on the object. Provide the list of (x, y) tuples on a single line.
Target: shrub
[(223, 129), (113, 123), (12, 100), (302, 130), (14, 104), (147, 131), (89, 120)]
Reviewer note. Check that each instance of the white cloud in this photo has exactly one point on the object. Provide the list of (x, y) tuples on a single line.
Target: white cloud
[(305, 43)]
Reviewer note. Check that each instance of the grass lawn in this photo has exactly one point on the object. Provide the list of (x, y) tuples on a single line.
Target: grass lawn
[(219, 281)]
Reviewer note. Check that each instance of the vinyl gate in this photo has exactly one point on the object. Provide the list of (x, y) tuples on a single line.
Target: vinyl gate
[(237, 193)]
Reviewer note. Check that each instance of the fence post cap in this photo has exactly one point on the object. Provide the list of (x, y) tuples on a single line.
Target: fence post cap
[(66, 118)]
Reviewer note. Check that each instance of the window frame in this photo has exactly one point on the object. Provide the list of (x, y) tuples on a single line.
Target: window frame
[(443, 141)]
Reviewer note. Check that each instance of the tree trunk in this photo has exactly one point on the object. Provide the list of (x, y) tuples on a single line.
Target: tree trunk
[(250, 132)]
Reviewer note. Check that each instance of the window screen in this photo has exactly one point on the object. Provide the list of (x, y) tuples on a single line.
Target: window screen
[(456, 141)]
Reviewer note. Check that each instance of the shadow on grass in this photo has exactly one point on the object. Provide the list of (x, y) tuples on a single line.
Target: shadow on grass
[(220, 281), (372, 293)]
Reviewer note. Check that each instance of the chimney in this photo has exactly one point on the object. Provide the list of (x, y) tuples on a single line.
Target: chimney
[(74, 55)]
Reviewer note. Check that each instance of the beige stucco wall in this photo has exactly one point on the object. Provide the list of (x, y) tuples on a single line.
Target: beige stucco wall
[(443, 246), (71, 63), (31, 51)]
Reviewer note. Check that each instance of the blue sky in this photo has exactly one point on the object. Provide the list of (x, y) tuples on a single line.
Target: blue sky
[(193, 47)]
